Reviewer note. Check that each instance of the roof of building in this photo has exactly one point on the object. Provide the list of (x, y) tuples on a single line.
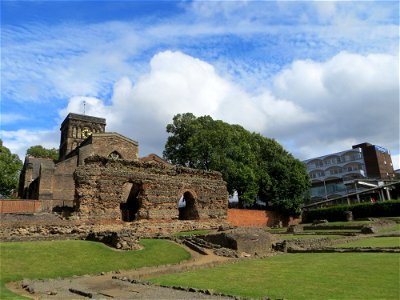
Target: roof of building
[(83, 118), (154, 157)]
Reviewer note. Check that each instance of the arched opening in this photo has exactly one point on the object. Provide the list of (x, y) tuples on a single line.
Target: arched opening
[(115, 155), (187, 207), (130, 208)]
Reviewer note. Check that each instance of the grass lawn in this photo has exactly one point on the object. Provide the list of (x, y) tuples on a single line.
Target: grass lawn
[(333, 230), (392, 228), (190, 233), (308, 236), (343, 223), (52, 259), (373, 242), (276, 230), (301, 276)]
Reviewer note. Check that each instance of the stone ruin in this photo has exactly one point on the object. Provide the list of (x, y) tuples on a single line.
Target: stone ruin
[(247, 240), (99, 175), (135, 190), (232, 242)]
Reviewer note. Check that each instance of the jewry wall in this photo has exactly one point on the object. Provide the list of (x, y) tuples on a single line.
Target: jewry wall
[(133, 190)]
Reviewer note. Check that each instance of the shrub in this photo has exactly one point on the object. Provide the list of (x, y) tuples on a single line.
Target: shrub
[(378, 209), (389, 208)]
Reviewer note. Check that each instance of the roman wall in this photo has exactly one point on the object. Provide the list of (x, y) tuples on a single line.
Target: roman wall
[(133, 190)]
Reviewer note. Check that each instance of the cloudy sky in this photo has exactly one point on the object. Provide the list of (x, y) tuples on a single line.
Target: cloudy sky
[(317, 76)]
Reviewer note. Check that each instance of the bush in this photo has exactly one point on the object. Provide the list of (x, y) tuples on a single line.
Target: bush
[(361, 210), (378, 209)]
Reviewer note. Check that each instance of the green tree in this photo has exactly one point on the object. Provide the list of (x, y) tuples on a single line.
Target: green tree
[(10, 166), (40, 151), (252, 165)]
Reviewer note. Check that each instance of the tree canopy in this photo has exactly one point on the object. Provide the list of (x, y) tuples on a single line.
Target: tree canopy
[(10, 166), (251, 164), (40, 151)]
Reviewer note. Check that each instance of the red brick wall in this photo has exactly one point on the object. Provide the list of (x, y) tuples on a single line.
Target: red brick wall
[(258, 218), (32, 206), (20, 206)]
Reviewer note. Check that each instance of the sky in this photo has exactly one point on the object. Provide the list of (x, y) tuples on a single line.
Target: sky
[(316, 76)]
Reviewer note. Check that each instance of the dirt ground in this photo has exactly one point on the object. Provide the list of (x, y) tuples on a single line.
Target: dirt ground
[(117, 285)]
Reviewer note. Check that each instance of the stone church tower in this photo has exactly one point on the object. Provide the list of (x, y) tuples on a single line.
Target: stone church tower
[(75, 129)]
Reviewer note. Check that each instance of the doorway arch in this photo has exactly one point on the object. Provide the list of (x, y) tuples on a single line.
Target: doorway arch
[(130, 208), (187, 207)]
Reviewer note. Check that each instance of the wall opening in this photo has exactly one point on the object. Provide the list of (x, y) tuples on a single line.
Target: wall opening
[(115, 155), (187, 207), (130, 208)]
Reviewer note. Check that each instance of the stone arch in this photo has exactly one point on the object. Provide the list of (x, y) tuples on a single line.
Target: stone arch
[(187, 206), (132, 202)]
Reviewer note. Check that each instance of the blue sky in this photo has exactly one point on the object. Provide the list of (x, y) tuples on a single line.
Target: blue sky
[(318, 76)]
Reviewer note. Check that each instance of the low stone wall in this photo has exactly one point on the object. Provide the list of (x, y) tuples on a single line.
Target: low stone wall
[(259, 218), (123, 240), (73, 229), (253, 241)]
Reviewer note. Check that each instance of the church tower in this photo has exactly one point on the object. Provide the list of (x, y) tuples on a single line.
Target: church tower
[(75, 129)]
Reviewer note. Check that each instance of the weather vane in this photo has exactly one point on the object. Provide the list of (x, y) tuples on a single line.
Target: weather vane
[(84, 107)]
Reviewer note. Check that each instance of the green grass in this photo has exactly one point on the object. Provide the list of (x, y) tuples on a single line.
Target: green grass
[(308, 236), (343, 223), (52, 259), (190, 233), (301, 276), (333, 230), (392, 228), (396, 219), (372, 242), (276, 230)]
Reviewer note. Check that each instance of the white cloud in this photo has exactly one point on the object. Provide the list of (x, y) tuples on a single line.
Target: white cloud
[(178, 83), (20, 140), (354, 97), (41, 62), (10, 118), (396, 161), (312, 108)]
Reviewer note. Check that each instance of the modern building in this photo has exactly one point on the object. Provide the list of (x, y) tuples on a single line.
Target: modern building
[(362, 167)]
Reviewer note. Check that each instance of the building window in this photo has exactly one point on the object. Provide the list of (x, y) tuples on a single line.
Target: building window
[(115, 155)]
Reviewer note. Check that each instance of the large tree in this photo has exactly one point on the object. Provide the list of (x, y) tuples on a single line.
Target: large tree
[(10, 166), (252, 165), (40, 151)]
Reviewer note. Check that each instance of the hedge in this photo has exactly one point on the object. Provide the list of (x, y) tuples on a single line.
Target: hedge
[(389, 208)]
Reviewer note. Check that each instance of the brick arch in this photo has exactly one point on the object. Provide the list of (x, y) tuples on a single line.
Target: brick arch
[(182, 191)]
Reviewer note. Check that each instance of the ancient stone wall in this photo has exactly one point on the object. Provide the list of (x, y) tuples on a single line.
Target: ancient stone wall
[(132, 190)]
